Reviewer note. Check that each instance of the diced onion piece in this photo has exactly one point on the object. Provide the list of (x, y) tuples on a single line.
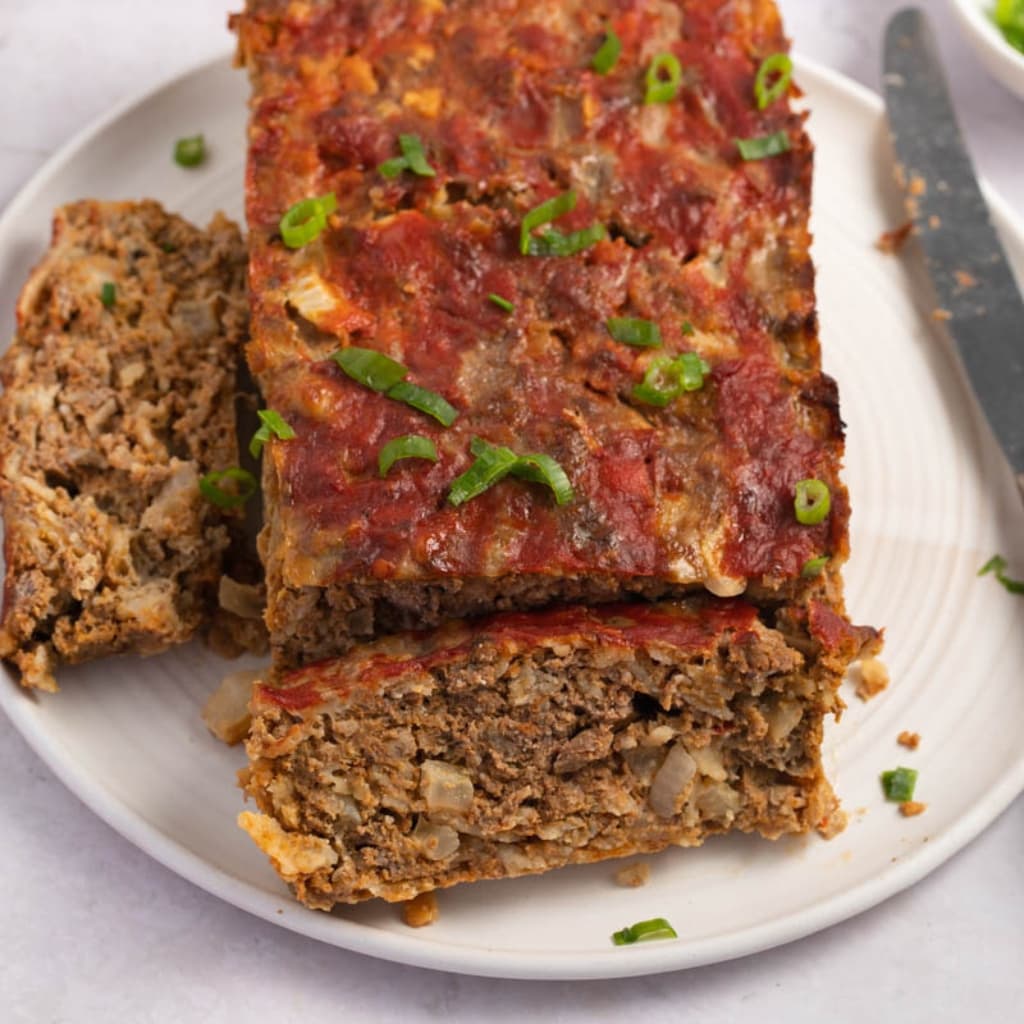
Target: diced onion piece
[(226, 713), (671, 782), (445, 788), (241, 599), (437, 842)]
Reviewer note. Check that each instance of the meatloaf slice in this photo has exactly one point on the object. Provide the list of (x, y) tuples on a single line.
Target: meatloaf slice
[(119, 397), (533, 740), (662, 221)]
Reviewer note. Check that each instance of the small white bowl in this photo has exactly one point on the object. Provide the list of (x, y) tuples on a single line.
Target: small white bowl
[(1001, 59)]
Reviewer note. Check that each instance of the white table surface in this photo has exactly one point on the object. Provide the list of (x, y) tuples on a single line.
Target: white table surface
[(93, 930)]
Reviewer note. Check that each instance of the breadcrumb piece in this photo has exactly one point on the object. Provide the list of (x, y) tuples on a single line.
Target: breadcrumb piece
[(833, 823), (907, 739), (941, 315), (912, 808), (420, 911), (633, 876), (872, 678), (892, 241)]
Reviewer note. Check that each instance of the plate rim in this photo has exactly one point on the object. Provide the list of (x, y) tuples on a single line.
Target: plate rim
[(411, 949)]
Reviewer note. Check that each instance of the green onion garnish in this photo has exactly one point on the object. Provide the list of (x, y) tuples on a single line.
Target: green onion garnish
[(108, 294), (813, 566), (379, 372), (898, 785), (812, 501), (644, 931), (190, 151), (273, 424), (687, 328), (997, 565), (501, 303), (666, 379), (411, 446), (412, 159), (306, 219), (631, 330), (210, 487), (425, 400), (495, 462), (554, 243), (779, 65), (608, 53), (370, 368), (767, 145), (1009, 17), (545, 213), (663, 78)]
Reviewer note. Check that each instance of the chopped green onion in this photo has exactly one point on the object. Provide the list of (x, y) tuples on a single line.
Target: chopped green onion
[(779, 65), (666, 379), (765, 146), (631, 330), (501, 303), (607, 55), (997, 564), (412, 159), (304, 221), (379, 372), (687, 328), (393, 168), (492, 464), (554, 243), (412, 150), (425, 400), (495, 462), (1009, 17), (545, 213), (813, 567), (190, 151), (645, 931), (210, 487), (663, 78), (542, 469), (812, 501), (273, 424), (898, 784), (370, 368), (411, 446), (108, 294)]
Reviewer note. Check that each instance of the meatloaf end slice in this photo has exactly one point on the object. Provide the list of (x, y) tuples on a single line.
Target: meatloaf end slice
[(118, 397), (529, 741)]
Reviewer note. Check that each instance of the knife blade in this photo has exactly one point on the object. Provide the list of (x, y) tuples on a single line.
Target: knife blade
[(979, 298)]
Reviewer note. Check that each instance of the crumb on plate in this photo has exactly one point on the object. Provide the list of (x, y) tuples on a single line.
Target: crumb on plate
[(633, 876), (420, 911), (910, 740), (872, 678), (894, 240), (912, 808)]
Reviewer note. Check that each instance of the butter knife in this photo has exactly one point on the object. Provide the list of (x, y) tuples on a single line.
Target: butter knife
[(980, 301)]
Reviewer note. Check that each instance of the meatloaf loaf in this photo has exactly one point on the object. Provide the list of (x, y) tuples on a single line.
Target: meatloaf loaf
[(540, 242), (533, 740), (118, 397)]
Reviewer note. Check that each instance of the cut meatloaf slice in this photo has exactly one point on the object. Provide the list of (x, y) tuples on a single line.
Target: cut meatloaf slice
[(533, 740), (662, 220), (118, 397)]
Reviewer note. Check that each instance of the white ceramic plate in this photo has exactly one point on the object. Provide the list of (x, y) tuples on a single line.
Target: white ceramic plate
[(932, 501), (1001, 59)]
